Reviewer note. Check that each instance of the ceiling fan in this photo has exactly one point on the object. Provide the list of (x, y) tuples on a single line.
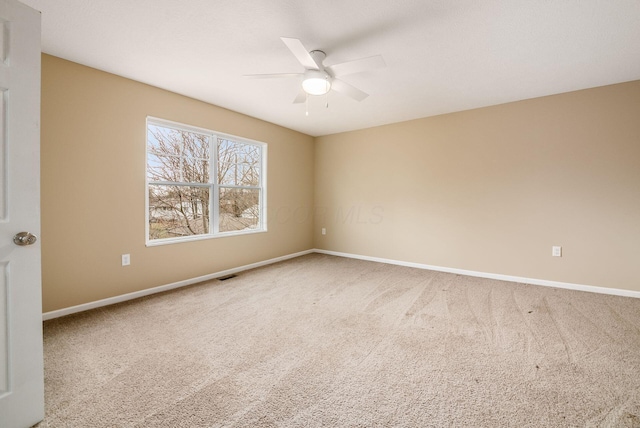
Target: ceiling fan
[(318, 79)]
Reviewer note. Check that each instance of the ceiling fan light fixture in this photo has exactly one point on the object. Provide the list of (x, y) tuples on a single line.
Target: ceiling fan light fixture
[(316, 82)]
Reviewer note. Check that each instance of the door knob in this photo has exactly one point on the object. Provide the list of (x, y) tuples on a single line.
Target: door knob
[(25, 238)]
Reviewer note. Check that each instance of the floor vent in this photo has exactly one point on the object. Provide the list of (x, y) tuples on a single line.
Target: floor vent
[(224, 278)]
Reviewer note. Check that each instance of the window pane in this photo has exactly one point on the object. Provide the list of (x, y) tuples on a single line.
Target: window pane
[(195, 170), (176, 211), (163, 168), (163, 140), (177, 155), (239, 209), (238, 164)]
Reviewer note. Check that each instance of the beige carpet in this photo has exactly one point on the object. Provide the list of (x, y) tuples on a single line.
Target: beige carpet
[(327, 341)]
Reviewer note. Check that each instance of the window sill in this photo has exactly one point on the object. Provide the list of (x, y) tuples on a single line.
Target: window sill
[(167, 241)]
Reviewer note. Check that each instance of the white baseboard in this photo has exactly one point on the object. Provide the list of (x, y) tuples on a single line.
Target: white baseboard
[(167, 287), (544, 282), (161, 288)]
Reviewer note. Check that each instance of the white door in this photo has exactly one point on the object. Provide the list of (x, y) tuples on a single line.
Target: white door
[(21, 372)]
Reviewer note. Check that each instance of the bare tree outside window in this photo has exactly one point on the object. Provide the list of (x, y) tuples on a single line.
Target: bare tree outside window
[(183, 199)]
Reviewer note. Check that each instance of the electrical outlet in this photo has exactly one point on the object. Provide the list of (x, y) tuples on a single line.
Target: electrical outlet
[(126, 259), (556, 251), (324, 231)]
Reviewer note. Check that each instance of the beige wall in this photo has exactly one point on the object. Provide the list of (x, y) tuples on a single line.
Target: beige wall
[(493, 189), (488, 190), (93, 190)]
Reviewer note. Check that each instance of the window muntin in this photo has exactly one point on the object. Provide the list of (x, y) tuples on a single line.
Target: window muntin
[(202, 184)]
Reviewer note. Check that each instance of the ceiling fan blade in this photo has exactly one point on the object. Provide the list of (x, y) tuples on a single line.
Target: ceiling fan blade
[(301, 97), (300, 52), (357, 66), (348, 90), (271, 76)]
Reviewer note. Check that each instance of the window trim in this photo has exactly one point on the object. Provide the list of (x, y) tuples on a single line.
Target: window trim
[(214, 208)]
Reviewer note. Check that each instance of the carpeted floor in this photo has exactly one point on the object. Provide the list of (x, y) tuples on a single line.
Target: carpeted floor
[(327, 341)]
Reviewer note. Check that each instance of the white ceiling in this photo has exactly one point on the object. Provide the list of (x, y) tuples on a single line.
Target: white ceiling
[(442, 55)]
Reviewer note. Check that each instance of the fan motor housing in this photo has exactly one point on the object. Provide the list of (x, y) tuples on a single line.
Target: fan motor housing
[(318, 56)]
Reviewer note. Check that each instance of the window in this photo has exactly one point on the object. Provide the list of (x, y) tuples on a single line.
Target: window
[(202, 184)]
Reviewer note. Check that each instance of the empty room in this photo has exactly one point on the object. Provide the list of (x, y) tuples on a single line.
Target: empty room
[(420, 213)]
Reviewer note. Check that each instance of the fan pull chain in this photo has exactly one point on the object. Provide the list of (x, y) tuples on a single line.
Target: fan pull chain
[(306, 105), (326, 104)]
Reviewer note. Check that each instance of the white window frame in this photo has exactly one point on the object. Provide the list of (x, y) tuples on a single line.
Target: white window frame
[(213, 185)]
